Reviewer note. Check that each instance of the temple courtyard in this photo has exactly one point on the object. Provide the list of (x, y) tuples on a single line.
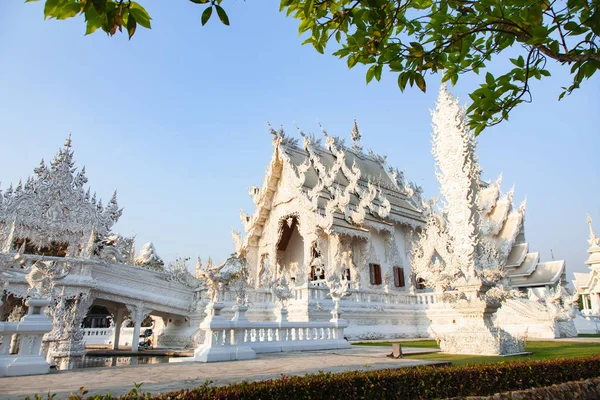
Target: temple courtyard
[(168, 377)]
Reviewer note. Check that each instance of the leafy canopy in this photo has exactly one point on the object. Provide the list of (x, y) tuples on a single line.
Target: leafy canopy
[(414, 38), (417, 38)]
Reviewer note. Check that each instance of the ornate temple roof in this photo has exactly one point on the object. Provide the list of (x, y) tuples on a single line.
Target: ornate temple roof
[(349, 188), (54, 206)]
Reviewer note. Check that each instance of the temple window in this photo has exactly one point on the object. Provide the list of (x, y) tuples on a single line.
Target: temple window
[(399, 277), (420, 283), (375, 274)]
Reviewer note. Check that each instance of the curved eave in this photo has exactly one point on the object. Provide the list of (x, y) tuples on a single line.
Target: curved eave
[(547, 273)]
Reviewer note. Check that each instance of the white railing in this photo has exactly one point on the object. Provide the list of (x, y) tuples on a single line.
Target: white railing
[(426, 298), (26, 358), (106, 336), (98, 336), (272, 337), (240, 339), (320, 293)]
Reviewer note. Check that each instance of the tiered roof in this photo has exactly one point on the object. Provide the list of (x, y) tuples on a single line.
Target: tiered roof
[(504, 226)]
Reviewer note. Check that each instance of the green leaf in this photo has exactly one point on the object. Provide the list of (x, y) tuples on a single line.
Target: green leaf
[(100, 6), (519, 62), (140, 14), (308, 6), (50, 8), (352, 60), (420, 81), (68, 10), (131, 25), (93, 21), (378, 69), (222, 15), (371, 73), (489, 79), (403, 79), (206, 15)]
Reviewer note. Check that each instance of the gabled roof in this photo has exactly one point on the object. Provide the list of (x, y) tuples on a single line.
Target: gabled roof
[(582, 280), (348, 188)]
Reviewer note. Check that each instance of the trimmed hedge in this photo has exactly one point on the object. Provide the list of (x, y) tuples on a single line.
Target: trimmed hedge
[(403, 383), (583, 390)]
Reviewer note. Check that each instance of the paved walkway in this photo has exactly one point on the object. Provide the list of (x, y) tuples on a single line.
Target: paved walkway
[(162, 378)]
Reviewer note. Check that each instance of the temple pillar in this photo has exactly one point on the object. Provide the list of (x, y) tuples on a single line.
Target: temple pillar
[(118, 322), (138, 314)]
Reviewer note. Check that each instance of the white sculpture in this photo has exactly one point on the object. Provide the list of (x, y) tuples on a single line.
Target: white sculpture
[(454, 252), (281, 292), (148, 258), (217, 277), (338, 289)]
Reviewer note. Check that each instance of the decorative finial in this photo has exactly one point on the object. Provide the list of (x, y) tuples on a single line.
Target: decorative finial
[(68, 141), (355, 134), (593, 240)]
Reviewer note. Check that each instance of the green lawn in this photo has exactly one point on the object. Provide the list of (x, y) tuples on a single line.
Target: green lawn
[(539, 350), (429, 344)]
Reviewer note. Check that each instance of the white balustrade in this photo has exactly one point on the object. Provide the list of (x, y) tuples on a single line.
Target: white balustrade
[(30, 331), (241, 339)]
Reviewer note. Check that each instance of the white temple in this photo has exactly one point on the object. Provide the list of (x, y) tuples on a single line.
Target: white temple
[(336, 232)]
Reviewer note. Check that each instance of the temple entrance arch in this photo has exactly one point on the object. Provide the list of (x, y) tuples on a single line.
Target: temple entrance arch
[(290, 250)]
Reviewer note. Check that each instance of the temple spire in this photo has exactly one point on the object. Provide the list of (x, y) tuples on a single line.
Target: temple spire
[(593, 240)]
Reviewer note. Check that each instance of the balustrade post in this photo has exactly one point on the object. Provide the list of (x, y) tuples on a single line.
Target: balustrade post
[(28, 360), (214, 325), (239, 324)]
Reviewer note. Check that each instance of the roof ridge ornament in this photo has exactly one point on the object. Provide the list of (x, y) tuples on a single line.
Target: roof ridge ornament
[(68, 141), (356, 136), (593, 240)]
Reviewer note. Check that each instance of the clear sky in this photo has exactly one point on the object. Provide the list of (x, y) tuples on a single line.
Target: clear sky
[(175, 119)]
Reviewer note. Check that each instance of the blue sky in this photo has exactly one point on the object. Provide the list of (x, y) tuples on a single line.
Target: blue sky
[(175, 119)]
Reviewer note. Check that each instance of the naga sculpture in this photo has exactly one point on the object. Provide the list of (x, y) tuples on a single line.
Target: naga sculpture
[(219, 276)]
